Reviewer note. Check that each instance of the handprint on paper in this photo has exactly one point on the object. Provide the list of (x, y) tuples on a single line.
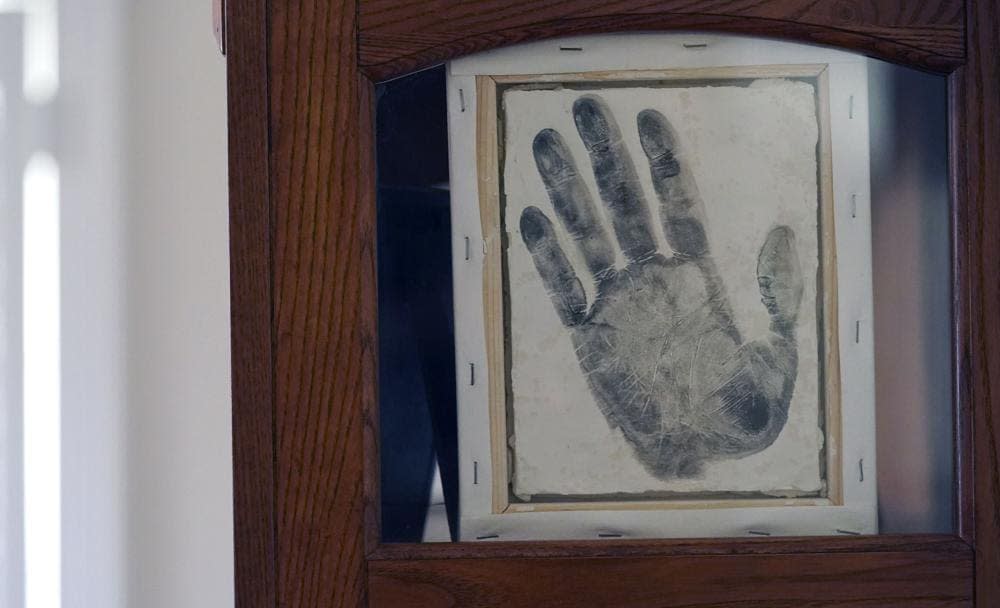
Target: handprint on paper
[(662, 354)]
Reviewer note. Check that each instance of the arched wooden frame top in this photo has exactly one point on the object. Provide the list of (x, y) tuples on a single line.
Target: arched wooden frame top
[(397, 37), (303, 317)]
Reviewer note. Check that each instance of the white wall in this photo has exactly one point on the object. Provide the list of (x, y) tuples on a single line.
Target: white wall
[(88, 140), (180, 539), (141, 138), (11, 372)]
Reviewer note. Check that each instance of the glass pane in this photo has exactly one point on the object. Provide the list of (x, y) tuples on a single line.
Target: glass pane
[(416, 329), (912, 278), (664, 286)]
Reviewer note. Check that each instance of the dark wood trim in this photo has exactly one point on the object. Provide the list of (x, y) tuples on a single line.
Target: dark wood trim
[(400, 36), (961, 312), (937, 543), (323, 249), (251, 296), (909, 578), (303, 313), (979, 157), (369, 327), (962, 302)]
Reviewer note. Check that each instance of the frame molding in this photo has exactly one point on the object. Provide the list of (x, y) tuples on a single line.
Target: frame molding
[(489, 212), (303, 317), (400, 36)]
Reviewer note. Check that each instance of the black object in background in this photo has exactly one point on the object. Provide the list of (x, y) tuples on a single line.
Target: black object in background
[(415, 316)]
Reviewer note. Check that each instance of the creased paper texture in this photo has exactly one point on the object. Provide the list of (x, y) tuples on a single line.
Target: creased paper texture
[(685, 359)]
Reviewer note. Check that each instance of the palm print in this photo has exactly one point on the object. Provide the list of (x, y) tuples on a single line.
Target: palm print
[(658, 345)]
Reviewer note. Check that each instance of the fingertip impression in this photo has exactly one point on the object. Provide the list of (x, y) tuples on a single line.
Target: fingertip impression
[(779, 276), (593, 121), (552, 157), (779, 254), (535, 227), (658, 142)]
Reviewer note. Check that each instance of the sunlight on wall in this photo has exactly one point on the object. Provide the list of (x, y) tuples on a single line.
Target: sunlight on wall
[(41, 48), (41, 51), (40, 293), (8, 460)]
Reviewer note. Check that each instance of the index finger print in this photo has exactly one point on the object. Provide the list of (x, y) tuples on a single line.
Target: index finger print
[(561, 282), (680, 207)]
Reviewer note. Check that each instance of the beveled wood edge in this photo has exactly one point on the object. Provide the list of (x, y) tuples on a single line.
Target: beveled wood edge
[(251, 303), (371, 494), (833, 444), (487, 140), (940, 543), (978, 135), (962, 406), (927, 577), (739, 72), (781, 29)]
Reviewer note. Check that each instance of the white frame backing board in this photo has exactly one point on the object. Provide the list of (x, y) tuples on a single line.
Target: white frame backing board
[(486, 513)]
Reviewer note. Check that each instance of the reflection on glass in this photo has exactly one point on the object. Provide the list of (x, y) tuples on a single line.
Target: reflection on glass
[(570, 151)]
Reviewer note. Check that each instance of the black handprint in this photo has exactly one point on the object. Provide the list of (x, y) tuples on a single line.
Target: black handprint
[(662, 355)]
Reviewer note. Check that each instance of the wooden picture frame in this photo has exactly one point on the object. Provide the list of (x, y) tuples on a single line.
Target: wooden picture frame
[(490, 211), (303, 318), (474, 82)]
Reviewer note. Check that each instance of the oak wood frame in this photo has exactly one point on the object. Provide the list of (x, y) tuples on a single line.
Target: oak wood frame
[(303, 317)]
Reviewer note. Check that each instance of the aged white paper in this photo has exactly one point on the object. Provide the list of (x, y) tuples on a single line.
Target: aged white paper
[(752, 151)]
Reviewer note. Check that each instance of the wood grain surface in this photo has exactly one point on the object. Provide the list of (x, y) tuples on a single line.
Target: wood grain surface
[(399, 36), (250, 304), (323, 306), (978, 162), (303, 315), (943, 544), (368, 325), (910, 579)]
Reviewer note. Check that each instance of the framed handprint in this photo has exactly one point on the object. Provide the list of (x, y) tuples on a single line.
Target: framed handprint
[(309, 501), (659, 296)]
